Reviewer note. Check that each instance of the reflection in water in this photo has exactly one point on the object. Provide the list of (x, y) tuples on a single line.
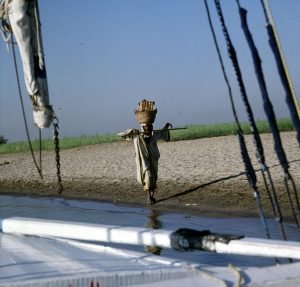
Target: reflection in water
[(154, 223)]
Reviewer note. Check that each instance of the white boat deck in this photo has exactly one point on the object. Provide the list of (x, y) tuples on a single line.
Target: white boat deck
[(34, 261), (31, 260)]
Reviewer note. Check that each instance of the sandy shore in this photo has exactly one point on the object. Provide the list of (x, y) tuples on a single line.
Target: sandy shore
[(204, 176)]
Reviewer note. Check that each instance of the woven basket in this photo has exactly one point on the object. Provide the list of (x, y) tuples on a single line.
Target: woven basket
[(145, 117)]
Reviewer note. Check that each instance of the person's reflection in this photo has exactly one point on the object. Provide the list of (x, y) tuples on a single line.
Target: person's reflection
[(154, 223)]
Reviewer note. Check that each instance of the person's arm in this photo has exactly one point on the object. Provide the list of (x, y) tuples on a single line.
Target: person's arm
[(129, 134), (164, 133)]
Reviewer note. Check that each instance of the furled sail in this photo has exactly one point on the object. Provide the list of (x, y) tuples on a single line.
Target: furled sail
[(22, 17)]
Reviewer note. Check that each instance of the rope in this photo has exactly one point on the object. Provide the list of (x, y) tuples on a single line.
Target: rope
[(270, 116), (274, 42), (57, 157), (240, 280), (269, 16), (249, 170), (233, 57), (268, 107), (286, 183), (6, 29), (290, 99), (23, 109), (40, 147), (257, 141)]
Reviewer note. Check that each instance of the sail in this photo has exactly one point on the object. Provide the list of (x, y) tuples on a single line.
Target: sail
[(25, 26)]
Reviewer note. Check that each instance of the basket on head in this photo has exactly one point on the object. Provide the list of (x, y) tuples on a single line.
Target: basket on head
[(146, 112)]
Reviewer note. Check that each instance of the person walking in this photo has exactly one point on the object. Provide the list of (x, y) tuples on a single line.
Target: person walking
[(145, 143)]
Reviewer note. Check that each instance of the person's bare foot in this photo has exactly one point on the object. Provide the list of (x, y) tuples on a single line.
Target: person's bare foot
[(151, 196)]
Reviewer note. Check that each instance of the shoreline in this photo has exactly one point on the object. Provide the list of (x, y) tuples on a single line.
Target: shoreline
[(204, 177)]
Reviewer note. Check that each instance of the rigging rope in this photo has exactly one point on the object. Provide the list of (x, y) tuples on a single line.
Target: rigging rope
[(23, 110), (268, 107), (249, 170), (256, 137), (269, 16), (57, 157), (274, 42), (8, 37), (55, 132), (232, 55)]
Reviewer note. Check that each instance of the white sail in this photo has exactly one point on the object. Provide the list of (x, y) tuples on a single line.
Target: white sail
[(23, 16)]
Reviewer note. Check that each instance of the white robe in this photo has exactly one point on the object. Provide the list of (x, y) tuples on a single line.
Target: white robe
[(147, 155)]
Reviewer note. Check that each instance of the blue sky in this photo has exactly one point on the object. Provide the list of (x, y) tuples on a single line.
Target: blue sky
[(104, 56)]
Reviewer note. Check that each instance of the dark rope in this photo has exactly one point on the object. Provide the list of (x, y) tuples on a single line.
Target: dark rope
[(233, 57), (57, 149), (40, 145), (294, 187), (54, 121), (270, 116), (293, 110), (23, 109), (284, 80), (223, 69), (286, 179), (249, 170), (283, 74), (268, 107)]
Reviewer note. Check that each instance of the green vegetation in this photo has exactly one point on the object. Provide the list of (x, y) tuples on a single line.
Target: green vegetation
[(64, 143), (3, 140), (191, 132), (225, 129)]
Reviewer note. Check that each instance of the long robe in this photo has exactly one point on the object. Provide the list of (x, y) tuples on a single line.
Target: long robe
[(147, 155)]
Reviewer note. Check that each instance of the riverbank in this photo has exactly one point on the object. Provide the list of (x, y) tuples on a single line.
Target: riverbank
[(204, 176)]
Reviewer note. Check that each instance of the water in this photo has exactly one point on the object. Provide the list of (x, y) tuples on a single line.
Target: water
[(105, 213)]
